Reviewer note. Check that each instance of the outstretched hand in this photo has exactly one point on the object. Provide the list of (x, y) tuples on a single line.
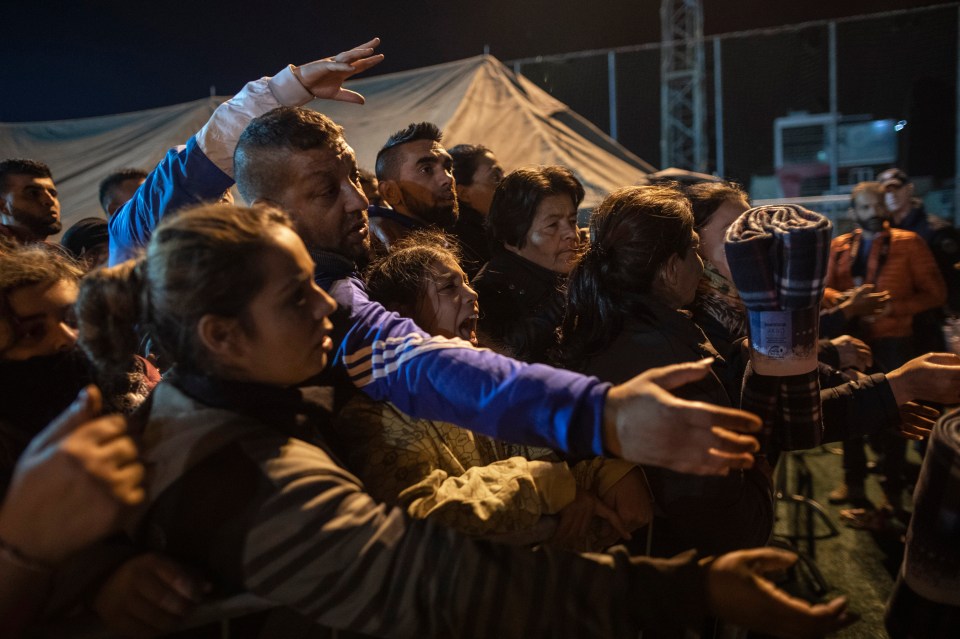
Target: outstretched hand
[(324, 78), (737, 592), (71, 483), (645, 424), (934, 377), (916, 421)]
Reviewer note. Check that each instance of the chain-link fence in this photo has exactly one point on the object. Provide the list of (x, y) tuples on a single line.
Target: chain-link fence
[(887, 82)]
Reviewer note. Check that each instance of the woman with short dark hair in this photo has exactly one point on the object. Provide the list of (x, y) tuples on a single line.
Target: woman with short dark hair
[(533, 228)]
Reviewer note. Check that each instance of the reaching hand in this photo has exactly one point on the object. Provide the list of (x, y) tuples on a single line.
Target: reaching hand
[(147, 596), (737, 592), (645, 424), (71, 483), (863, 301), (916, 421), (324, 78), (934, 377), (853, 353)]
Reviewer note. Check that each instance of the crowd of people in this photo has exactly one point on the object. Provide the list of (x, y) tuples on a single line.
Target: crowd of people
[(420, 401)]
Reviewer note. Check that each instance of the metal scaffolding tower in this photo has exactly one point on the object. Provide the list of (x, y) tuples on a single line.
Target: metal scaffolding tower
[(682, 102)]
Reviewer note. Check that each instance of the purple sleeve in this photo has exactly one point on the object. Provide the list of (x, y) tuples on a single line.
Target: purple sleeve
[(391, 359), (184, 176)]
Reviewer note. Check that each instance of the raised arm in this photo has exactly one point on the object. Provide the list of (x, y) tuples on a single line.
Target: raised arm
[(202, 169)]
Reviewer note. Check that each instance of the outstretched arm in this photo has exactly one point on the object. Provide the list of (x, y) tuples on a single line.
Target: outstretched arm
[(202, 169)]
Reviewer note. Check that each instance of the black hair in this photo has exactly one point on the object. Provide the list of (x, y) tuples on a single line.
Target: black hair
[(396, 280), (519, 194), (115, 179), (466, 157), (258, 161), (706, 197), (634, 231), (19, 166), (386, 166)]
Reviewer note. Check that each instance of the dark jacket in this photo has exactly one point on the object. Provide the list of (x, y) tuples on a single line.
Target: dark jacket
[(521, 304), (387, 226), (472, 237), (712, 514)]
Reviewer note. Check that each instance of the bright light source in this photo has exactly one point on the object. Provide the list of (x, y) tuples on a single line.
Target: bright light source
[(899, 125)]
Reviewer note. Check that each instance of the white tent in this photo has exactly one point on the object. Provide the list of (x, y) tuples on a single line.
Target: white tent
[(477, 100)]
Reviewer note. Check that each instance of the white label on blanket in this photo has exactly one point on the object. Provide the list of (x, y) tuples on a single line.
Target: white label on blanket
[(784, 342)]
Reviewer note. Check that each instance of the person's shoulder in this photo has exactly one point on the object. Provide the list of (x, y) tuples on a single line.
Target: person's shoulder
[(904, 236)]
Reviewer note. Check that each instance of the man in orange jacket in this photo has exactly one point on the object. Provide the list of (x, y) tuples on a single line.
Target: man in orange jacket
[(899, 263)]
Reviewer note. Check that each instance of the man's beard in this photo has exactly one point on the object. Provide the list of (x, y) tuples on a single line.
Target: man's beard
[(39, 228), (441, 215), (872, 224)]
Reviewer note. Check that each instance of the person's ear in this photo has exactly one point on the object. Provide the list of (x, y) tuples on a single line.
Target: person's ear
[(391, 193), (670, 270), (221, 337)]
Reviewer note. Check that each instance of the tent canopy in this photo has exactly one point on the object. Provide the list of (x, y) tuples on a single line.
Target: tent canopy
[(476, 101)]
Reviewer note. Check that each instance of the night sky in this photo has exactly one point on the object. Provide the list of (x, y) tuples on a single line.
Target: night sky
[(84, 58)]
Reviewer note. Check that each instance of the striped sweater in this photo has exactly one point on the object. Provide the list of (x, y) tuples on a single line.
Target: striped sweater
[(263, 507)]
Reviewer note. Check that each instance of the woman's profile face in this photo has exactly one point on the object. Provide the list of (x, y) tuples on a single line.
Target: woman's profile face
[(43, 319), (288, 340), (712, 233), (689, 269)]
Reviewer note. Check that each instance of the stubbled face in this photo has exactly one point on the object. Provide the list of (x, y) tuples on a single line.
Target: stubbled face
[(122, 193), (289, 341), (425, 188), (553, 239), (324, 199), (868, 211), (487, 176), (712, 233), (448, 306), (44, 323), (31, 203), (897, 197)]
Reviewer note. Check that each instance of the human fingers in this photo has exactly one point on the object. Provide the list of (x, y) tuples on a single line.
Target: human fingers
[(731, 419), (359, 51), (126, 484), (676, 375), (766, 560), (111, 455), (346, 95), (943, 359), (363, 64)]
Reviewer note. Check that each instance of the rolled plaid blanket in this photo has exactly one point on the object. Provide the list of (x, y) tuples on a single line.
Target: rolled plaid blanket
[(778, 256), (778, 259), (926, 598)]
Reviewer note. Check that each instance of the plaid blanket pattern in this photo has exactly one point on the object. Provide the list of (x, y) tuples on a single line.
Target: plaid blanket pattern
[(789, 407), (778, 256), (778, 259)]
